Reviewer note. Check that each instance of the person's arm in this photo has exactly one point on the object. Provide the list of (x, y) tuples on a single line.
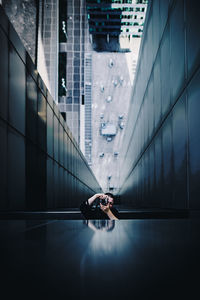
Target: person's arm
[(86, 206), (108, 212), (91, 225)]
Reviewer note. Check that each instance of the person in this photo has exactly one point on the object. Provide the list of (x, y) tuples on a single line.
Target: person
[(102, 210), (100, 225)]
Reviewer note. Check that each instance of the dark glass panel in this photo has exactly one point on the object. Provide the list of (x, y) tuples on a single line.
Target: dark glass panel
[(179, 155), (61, 151), (3, 76), (3, 164), (17, 91), (192, 33), (50, 184), (167, 163), (165, 71), (50, 131), (157, 91), (41, 165), (16, 170), (31, 108), (177, 49), (32, 181), (194, 141), (56, 131), (42, 120)]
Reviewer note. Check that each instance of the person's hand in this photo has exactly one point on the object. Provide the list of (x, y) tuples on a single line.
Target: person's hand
[(105, 208), (101, 196), (94, 197)]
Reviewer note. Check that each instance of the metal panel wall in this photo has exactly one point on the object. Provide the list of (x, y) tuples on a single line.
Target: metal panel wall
[(161, 156), (41, 165)]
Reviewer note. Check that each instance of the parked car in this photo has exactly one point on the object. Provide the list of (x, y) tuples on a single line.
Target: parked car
[(109, 139), (111, 63), (102, 88), (101, 154), (103, 125), (115, 83), (121, 125), (108, 99)]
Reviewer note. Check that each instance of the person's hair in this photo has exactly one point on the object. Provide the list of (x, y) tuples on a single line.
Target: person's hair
[(110, 195)]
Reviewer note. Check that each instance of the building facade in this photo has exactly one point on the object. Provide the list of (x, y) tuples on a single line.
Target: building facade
[(36, 23), (73, 37), (113, 22), (160, 163)]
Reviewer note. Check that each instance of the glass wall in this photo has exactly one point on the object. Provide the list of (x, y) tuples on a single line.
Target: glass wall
[(161, 160), (42, 166)]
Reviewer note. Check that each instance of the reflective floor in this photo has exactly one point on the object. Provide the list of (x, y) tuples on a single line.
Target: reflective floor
[(126, 259)]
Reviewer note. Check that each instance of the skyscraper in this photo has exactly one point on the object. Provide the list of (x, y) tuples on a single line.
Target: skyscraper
[(73, 28)]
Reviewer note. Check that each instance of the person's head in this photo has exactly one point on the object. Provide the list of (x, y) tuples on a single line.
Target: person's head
[(110, 199)]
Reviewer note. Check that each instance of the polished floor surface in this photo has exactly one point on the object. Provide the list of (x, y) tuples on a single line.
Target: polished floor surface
[(75, 259)]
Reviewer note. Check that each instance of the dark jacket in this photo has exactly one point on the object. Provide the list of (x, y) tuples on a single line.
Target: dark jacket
[(95, 213)]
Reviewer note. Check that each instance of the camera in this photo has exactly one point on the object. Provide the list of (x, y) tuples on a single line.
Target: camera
[(104, 201)]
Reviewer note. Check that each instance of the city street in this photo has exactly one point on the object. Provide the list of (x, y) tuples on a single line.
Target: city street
[(110, 101)]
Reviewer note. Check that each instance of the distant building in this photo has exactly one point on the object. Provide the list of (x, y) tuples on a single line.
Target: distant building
[(111, 21), (87, 136), (36, 23), (73, 34)]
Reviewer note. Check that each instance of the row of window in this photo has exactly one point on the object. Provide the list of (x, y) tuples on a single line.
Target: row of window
[(92, 24), (130, 1), (109, 1), (116, 31), (107, 18), (122, 1), (99, 9), (131, 24), (131, 17)]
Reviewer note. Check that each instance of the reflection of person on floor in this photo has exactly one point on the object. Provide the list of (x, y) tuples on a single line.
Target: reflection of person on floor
[(102, 210), (101, 225)]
